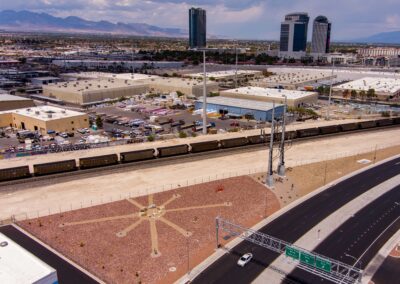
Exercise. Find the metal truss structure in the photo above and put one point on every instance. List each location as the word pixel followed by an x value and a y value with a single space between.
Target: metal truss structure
pixel 338 272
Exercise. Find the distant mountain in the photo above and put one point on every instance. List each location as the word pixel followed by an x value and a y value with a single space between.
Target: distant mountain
pixel 388 38
pixel 30 21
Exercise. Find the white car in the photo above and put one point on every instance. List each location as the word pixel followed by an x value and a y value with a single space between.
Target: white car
pixel 245 259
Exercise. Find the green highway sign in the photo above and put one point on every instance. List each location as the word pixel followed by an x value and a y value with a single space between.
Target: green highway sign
pixel 323 264
pixel 292 252
pixel 307 258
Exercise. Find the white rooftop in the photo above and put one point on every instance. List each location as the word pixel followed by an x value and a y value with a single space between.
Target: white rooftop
pixel 178 82
pixel 7 97
pixel 380 85
pixel 104 75
pixel 45 113
pixel 92 85
pixel 268 92
pixel 241 103
pixel 222 74
pixel 18 266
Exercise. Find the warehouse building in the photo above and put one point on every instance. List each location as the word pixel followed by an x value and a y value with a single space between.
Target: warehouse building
pixel 44 119
pixel 20 266
pixel 294 98
pixel 241 108
pixel 227 75
pixel 8 102
pixel 385 88
pixel 104 75
pixel 88 92
pixel 115 65
pixel 186 86
pixel 293 80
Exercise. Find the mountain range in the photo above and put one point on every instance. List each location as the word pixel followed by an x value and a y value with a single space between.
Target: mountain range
pixel 42 22
pixel 386 38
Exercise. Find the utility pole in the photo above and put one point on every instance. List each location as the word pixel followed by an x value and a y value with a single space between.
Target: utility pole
pixel 204 94
pixel 270 178
pixel 236 66
pixel 281 166
pixel 328 114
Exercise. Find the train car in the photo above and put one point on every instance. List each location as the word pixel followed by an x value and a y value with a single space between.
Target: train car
pixel 135 156
pixel 14 173
pixel 54 167
pixel 308 132
pixel 172 151
pixel 367 124
pixel 98 161
pixel 396 120
pixel 233 142
pixel 329 129
pixel 290 135
pixel 349 126
pixel 204 146
pixel 256 139
pixel 385 122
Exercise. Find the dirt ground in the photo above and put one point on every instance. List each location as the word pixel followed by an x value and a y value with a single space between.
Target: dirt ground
pixel 149 238
pixel 52 195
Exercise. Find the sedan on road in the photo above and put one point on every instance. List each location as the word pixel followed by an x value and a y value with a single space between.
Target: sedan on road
pixel 245 259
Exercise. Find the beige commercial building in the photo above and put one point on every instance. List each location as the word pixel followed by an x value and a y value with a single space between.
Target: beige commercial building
pixel 94 91
pixel 227 75
pixel 44 119
pixel 293 80
pixel 186 86
pixel 385 88
pixel 8 102
pixel 294 98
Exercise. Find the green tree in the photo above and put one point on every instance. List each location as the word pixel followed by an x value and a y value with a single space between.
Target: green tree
pixel 182 134
pixel 353 94
pixel 371 93
pixel 180 94
pixel 99 122
pixel 362 95
pixel 346 93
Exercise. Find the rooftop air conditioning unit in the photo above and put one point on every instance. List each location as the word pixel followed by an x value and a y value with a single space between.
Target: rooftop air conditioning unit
pixel 37 112
pixel 63 111
pixel 49 115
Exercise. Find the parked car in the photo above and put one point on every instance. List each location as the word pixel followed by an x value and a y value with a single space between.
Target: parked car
pixel 245 259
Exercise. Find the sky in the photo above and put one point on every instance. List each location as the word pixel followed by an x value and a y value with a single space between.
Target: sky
pixel 237 19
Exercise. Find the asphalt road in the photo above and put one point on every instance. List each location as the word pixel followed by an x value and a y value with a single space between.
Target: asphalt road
pixel 67 274
pixel 294 224
pixel 361 236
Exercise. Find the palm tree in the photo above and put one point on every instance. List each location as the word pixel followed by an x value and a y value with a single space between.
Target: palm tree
pixel 353 94
pixel 346 93
pixel 362 95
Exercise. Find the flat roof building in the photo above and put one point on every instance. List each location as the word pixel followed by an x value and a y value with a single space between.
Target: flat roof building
pixel 227 75
pixel 8 102
pixel 293 80
pixel 40 81
pixel 20 266
pixel 294 98
pixel 184 85
pixel 385 88
pixel 104 75
pixel 90 91
pixel 44 119
pixel 241 107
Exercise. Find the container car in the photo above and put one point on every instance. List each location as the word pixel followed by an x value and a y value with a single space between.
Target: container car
pixel 54 167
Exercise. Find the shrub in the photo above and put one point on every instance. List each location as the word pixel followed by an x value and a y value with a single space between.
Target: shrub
pixel 150 138
pixel 182 134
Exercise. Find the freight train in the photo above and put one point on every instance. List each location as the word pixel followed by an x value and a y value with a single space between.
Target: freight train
pixel 22 172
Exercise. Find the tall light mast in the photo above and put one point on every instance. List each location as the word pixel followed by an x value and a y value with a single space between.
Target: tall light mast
pixel 270 178
pixel 204 94
pixel 281 166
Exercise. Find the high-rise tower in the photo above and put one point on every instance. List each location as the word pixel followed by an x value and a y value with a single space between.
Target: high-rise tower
pixel 197 28
pixel 321 36
pixel 294 33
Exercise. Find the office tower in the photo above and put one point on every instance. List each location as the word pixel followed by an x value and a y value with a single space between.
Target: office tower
pixel 294 33
pixel 321 36
pixel 197 28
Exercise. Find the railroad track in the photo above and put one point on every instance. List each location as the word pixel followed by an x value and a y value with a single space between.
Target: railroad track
pixel 242 145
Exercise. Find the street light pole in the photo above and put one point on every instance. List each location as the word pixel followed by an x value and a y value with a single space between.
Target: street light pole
pixel 204 94
pixel 281 167
pixel 270 178
pixel 328 115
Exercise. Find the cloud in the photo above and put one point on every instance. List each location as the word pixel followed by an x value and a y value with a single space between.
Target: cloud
pixel 234 18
